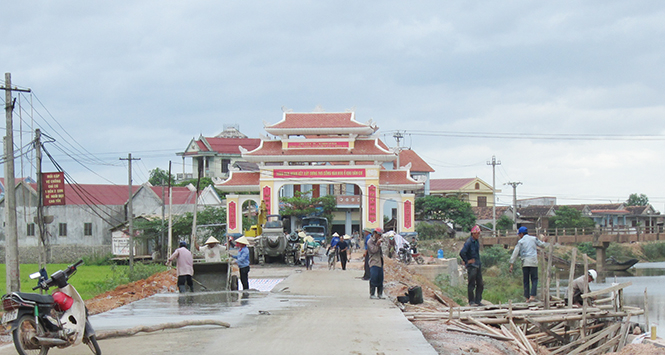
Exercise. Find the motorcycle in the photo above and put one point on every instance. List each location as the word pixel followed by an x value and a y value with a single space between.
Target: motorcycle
pixel 40 322
pixel 406 255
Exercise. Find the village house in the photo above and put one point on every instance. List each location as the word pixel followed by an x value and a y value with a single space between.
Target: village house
pixel 216 155
pixel 472 190
pixel 82 225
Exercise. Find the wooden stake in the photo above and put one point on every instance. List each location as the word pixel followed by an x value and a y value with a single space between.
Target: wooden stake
pixel 584 300
pixel 548 278
pixel 646 310
pixel 571 276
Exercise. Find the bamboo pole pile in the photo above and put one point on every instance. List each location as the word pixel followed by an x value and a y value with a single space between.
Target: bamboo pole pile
pixel 591 329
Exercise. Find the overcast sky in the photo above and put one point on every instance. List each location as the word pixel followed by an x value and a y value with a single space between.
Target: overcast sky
pixel 463 80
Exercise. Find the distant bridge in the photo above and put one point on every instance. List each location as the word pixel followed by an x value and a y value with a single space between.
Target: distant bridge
pixel 594 236
pixel 600 238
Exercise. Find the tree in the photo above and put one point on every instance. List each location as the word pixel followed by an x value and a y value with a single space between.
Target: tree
pixel 151 230
pixel 203 183
pixel 504 223
pixel 447 209
pixel 568 217
pixel 301 205
pixel 637 200
pixel 159 177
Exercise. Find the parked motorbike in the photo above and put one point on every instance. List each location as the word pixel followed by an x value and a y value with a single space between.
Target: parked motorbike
pixel 40 322
pixel 406 255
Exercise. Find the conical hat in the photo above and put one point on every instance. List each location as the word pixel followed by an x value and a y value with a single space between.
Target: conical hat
pixel 212 240
pixel 302 234
pixel 346 236
pixel 335 234
pixel 242 240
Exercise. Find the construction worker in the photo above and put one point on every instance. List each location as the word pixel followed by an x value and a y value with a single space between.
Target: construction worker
pixel 212 250
pixel 243 261
pixel 580 287
pixel 184 267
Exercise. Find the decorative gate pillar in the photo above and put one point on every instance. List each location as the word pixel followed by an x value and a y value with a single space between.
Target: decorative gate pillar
pixel 408 215
pixel 371 208
pixel 233 215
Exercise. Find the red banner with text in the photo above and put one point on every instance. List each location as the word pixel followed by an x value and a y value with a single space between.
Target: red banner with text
pixel 232 215
pixel 318 173
pixel 407 214
pixel 371 204
pixel 53 185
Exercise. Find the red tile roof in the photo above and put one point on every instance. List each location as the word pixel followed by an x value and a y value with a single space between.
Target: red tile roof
pixel 619 212
pixel 395 177
pixel 486 212
pixel 448 184
pixel 242 178
pixel 407 156
pixel 116 195
pixel 361 147
pixel 228 145
pixel 318 120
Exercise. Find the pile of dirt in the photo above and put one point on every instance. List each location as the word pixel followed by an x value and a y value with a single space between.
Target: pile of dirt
pixel 124 294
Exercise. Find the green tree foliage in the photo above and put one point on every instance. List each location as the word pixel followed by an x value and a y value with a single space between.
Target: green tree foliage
pixel 445 209
pixel 151 230
pixel 637 200
pixel 432 230
pixel 205 182
pixel 586 248
pixel 159 177
pixel 302 205
pixel 568 217
pixel 504 223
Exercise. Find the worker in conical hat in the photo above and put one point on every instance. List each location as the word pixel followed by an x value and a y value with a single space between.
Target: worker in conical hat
pixel 212 250
pixel 243 261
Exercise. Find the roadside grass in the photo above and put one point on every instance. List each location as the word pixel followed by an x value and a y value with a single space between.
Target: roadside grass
pixel 89 280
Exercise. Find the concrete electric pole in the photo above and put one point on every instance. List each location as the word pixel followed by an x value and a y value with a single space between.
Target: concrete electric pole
pixel 11 234
pixel 494 163
pixel 514 185
pixel 398 136
pixel 130 213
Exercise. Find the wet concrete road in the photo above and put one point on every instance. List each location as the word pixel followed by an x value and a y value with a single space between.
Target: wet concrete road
pixel 309 312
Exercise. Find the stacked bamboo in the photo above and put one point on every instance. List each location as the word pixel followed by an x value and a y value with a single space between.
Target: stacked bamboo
pixel 557 326
pixel 530 326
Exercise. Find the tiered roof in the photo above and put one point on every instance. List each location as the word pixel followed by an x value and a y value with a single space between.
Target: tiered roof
pixel 320 123
pixel 363 150
pixel 407 156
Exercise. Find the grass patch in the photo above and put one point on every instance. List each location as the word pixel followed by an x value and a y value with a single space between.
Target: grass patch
pixel 89 280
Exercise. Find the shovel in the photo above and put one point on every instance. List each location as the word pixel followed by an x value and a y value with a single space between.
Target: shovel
pixel 200 284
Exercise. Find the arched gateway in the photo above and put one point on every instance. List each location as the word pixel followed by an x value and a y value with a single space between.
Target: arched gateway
pixel 326 152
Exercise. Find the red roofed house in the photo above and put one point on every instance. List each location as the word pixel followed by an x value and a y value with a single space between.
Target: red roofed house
pixel 328 154
pixel 472 190
pixel 82 225
pixel 216 154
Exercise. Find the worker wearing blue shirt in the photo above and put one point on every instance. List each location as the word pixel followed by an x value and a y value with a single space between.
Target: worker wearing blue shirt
pixel 243 261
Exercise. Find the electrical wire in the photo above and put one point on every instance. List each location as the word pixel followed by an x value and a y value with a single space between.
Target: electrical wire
pixel 538 136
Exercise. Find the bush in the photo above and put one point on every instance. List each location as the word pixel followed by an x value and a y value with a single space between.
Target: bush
pixel 619 251
pixel 586 248
pixel 431 230
pixel 654 251
pixel 495 255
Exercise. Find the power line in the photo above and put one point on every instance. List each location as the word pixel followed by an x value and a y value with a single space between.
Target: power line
pixel 540 136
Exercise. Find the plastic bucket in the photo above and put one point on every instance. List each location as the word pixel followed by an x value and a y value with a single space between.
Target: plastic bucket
pixel 440 254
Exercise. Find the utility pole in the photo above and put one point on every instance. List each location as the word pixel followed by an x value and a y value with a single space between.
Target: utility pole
pixel 170 234
pixel 130 213
pixel 11 233
pixel 398 136
pixel 494 163
pixel 40 200
pixel 514 185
